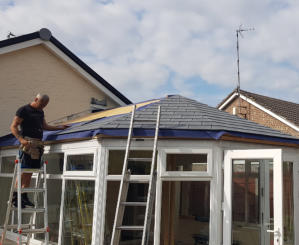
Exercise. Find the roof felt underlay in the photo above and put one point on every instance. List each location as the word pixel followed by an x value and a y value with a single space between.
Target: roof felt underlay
pixel 180 118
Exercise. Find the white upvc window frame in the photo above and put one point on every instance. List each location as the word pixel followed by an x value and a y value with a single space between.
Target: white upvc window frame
pixel 293 156
pixel 181 175
pixel 74 148
pixel 78 152
pixel 276 155
pixel 107 177
pixel 215 192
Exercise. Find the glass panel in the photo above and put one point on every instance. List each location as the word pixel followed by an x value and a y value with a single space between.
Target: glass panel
pixel 8 164
pixel 54 200
pixel 55 163
pixel 5 184
pixel 288 203
pixel 132 215
pixel 252 202
pixel 187 162
pixel 116 161
pixel 78 212
pixel 185 212
pixel 79 162
pixel 245 202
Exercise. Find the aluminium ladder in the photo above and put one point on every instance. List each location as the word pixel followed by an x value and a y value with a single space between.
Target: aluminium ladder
pixel 30 228
pixel 124 186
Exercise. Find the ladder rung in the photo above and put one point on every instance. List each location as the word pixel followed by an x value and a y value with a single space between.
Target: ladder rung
pixel 130 228
pixel 35 231
pixel 27 190
pixel 32 170
pixel 140 159
pixel 30 210
pixel 136 181
pixel 134 203
pixel 145 120
pixel 16 226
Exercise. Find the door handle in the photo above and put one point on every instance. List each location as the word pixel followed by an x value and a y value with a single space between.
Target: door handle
pixel 276 233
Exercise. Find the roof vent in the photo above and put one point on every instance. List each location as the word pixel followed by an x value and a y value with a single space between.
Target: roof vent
pixel 45 34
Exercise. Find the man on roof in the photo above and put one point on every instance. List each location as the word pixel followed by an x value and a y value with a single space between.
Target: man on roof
pixel 31 121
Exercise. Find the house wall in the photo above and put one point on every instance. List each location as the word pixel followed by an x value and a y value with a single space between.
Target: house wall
pixel 255 114
pixel 25 72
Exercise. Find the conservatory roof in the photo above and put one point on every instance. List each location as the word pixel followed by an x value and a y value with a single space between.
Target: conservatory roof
pixel 181 117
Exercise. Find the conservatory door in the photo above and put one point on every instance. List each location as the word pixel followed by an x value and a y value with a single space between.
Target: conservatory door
pixel 253 191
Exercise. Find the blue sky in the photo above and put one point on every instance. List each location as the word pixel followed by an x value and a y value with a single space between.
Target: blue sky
pixel 147 49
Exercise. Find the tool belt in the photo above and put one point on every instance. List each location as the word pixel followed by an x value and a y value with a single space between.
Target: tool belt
pixel 35 148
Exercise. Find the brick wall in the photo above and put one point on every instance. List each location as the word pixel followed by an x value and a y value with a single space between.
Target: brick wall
pixel 253 113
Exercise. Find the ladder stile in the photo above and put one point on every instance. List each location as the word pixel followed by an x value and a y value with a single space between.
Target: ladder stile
pixel 46 203
pixel 150 194
pixel 19 203
pixel 119 208
pixel 33 216
pixel 126 181
pixel 9 205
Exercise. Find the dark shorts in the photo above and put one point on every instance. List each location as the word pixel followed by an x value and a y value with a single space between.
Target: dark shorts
pixel 27 162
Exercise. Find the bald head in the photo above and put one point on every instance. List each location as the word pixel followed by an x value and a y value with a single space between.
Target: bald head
pixel 40 101
pixel 43 97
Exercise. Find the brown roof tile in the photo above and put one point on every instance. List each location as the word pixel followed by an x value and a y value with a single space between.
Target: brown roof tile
pixel 285 109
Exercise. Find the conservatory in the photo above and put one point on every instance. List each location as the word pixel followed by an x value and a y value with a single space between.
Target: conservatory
pixel 220 179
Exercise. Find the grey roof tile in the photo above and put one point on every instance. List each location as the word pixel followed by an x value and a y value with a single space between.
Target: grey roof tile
pixel 178 112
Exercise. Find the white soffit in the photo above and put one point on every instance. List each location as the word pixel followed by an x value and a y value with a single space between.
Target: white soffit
pixel 283 120
pixel 21 45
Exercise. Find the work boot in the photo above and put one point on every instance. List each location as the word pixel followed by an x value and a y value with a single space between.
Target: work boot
pixel 15 201
pixel 25 201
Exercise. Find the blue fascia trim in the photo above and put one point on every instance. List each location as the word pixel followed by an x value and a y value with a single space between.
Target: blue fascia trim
pixel 10 140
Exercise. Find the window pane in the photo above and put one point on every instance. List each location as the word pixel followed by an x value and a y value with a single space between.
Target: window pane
pixel 185 212
pixel 288 204
pixel 132 215
pixel 80 162
pixel 187 162
pixel 5 184
pixel 116 161
pixel 8 164
pixel 54 200
pixel 246 191
pixel 55 163
pixel 78 212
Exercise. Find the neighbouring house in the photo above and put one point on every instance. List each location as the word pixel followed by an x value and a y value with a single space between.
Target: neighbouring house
pixel 274 113
pixel 221 179
pixel 38 62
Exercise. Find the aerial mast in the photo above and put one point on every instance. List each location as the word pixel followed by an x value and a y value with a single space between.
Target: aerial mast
pixel 239 33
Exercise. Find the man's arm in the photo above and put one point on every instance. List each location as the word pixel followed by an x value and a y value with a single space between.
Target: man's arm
pixel 14 128
pixel 53 128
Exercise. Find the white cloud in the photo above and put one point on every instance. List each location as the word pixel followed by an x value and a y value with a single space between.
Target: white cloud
pixel 140 47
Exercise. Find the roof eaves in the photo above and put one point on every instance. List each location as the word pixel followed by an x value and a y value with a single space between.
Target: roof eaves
pixel 19 39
